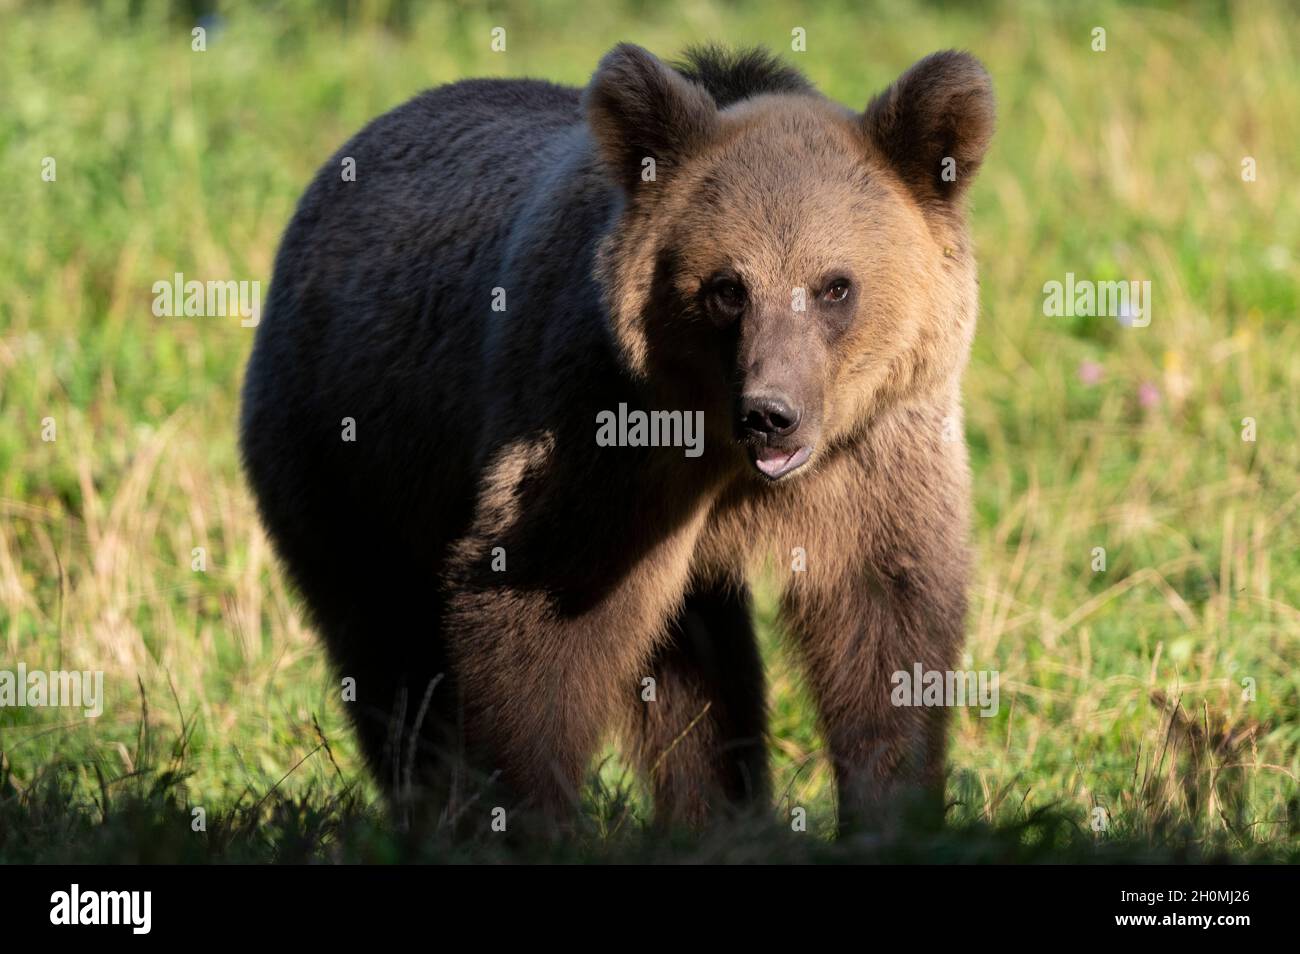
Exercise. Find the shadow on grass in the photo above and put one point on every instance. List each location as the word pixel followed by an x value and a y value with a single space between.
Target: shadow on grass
pixel 145 818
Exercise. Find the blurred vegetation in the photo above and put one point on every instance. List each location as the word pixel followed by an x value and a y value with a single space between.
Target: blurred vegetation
pixel 1121 690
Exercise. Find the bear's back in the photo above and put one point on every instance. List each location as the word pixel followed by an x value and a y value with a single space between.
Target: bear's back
pixel 381 304
pixel 421 199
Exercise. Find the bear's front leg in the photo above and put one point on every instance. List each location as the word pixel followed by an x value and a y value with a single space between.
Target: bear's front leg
pixel 550 633
pixel 854 639
pixel 883 591
pixel 537 691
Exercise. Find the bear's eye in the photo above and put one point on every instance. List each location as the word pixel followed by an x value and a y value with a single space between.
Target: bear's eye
pixel 728 293
pixel 838 290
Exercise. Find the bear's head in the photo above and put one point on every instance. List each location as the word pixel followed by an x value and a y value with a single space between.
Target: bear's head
pixel 790 266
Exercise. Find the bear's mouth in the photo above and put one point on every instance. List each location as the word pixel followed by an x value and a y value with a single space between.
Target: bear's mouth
pixel 776 462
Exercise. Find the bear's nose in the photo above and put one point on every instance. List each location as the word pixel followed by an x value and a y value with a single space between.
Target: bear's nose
pixel 768 415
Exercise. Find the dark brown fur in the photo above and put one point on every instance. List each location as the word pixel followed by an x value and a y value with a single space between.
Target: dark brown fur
pixel 476 429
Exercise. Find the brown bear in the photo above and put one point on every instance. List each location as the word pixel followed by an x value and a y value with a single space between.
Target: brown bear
pixel 553 372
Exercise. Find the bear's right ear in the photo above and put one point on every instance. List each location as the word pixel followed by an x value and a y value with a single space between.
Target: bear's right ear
pixel 639 109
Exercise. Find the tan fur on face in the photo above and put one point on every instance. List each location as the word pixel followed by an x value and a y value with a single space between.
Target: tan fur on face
pixel 787 191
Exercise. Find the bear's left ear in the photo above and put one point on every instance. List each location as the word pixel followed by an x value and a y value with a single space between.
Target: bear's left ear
pixel 934 124
pixel 638 108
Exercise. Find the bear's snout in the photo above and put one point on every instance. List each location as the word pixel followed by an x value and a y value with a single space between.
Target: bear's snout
pixel 768 415
pixel 769 426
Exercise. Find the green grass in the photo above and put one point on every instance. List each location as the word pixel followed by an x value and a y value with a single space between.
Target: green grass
pixel 1121 689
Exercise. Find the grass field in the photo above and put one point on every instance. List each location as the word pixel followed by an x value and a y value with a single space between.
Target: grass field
pixel 1150 710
